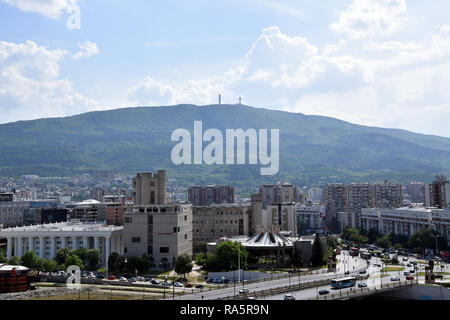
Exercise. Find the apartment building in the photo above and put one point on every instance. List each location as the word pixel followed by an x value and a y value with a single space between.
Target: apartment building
pixel 310 215
pixel 278 193
pixel 281 217
pixel 150 188
pixel 208 195
pixel 437 194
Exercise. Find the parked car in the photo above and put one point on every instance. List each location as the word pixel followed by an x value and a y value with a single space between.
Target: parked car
pixel 111 278
pixel 289 297
pixel 323 292
pixel 406 273
pixel 362 285
pixel 395 278
pixel 122 279
pixel 362 272
pixel 188 285
pixel 409 278
pixel 245 290
pixel 132 280
pixel 438 276
pixel 199 286
pixel 154 281
pixel 412 271
pixel 178 285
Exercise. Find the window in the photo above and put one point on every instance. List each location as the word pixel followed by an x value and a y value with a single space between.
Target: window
pixel 136 239
pixel 128 220
pixel 185 218
pixel 185 237
pixel 174 229
pixel 164 250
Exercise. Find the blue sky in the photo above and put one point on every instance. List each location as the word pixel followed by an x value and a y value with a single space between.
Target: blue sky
pixel 373 62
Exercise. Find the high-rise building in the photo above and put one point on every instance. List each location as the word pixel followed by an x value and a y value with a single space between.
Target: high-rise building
pixel 208 195
pixel 150 188
pixel 387 195
pixel 153 227
pixel 315 195
pixel 437 194
pixel 281 217
pixel 416 190
pixel 278 193
pixel 97 194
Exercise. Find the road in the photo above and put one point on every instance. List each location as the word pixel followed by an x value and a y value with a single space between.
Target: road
pixel 347 263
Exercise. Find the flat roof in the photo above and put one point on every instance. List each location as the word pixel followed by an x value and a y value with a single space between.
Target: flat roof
pixel 65 227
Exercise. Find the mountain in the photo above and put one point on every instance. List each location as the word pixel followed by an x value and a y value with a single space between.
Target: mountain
pixel 313 149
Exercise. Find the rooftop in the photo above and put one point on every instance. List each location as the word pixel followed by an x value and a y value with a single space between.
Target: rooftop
pixel 65 227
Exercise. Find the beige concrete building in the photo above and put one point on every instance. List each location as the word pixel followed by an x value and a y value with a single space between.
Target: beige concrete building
pixel 150 188
pixel 278 193
pixel 281 217
pixel 216 221
pixel 161 231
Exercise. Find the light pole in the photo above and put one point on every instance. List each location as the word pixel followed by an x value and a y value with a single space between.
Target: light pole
pixel 436 238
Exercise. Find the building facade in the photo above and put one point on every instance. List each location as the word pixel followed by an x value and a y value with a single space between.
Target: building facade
pixel 150 188
pixel 46 239
pixel 278 193
pixel 310 216
pixel 213 222
pixel 437 194
pixel 407 220
pixel 209 195
pixel 161 231
pixel 281 217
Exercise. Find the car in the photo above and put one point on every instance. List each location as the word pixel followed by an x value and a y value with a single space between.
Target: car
pixel 199 286
pixel 409 278
pixel 188 285
pixel 408 265
pixel 132 280
pixel 362 285
pixel 362 272
pixel 289 297
pixel 252 298
pixel 245 290
pixel 412 271
pixel 395 279
pixel 323 292
pixel 178 285
pixel 111 278
pixel 154 281
pixel 405 259
pixel 122 279
pixel 406 273
pixel 438 276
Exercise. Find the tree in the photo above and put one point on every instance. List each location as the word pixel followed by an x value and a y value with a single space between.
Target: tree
pixel 183 264
pixel 93 257
pixel 317 252
pixel 73 260
pixel 200 247
pixel 3 256
pixel 14 261
pixel 112 259
pixel 212 263
pixel 30 260
pixel 82 254
pixel 384 242
pixel 297 258
pixel 228 253
pixel 48 265
pixel 143 264
pixel 200 259
pixel 61 255
pixel 301 228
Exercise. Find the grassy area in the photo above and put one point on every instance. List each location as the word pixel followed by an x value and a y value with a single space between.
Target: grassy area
pixel 392 269
pixel 442 273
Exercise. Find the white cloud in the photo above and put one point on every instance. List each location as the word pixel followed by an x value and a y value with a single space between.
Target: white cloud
pixel 88 49
pixel 48 8
pixel 365 18
pixel 31 86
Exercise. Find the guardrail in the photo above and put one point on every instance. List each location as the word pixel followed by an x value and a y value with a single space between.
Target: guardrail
pixel 280 290
pixel 363 291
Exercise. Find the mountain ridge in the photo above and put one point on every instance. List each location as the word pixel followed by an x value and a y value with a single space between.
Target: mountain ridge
pixel 313 149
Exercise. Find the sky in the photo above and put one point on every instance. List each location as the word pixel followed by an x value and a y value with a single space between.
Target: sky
pixel 383 63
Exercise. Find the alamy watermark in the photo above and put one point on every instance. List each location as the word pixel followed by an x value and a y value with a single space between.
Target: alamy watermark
pixel 74 20
pixel 74 280
pixel 236 141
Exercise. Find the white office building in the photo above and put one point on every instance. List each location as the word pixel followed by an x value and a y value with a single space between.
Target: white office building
pixel 45 240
